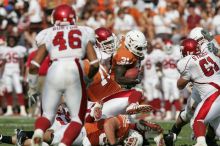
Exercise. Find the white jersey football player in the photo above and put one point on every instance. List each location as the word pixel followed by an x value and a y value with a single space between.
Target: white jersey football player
pixel 202 69
pixel 2 64
pixel 152 58
pixel 206 44
pixel 13 70
pixel 170 76
pixel 67 44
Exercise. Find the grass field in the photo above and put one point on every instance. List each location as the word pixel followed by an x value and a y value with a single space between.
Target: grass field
pixel 7 126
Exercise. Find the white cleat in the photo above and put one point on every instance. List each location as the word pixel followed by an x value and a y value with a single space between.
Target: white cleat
pixel 201 141
pixel 135 108
pixel 8 113
pixel 37 138
pixel 23 114
pixel 200 144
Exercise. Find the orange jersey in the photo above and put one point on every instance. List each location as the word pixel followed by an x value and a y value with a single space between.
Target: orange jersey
pixel 124 57
pixel 96 134
pixel 102 86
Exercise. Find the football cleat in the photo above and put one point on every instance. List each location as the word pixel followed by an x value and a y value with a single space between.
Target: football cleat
pixel 21 137
pixel 147 126
pixel 169 138
pixel 135 108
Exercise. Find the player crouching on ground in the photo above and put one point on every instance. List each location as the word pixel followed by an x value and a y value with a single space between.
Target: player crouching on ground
pixel 118 130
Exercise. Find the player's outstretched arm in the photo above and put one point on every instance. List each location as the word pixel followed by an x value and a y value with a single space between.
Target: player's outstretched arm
pixel 94 62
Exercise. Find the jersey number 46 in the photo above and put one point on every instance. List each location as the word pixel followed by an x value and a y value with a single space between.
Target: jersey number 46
pixel 74 40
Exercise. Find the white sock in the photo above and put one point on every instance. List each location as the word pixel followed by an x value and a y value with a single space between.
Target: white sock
pixel 201 139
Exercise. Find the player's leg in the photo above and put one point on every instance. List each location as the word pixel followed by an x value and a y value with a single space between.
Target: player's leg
pixel 19 92
pixel 58 134
pixel 206 111
pixel 176 97
pixel 8 139
pixel 8 94
pixel 135 104
pixel 114 106
pixel 183 119
pixel 148 93
pixel 50 99
pixel 76 100
pixel 167 106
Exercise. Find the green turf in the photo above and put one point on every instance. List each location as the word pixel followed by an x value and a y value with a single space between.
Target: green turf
pixel 7 126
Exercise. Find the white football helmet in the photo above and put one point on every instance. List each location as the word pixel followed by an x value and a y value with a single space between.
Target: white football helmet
pixel 135 41
pixel 133 139
pixel 200 35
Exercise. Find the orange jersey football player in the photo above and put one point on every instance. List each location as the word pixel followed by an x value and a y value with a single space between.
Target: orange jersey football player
pixel 102 84
pixel 104 88
pixel 129 55
pixel 118 130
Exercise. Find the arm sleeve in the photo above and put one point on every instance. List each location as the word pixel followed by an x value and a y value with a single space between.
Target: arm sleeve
pixel 183 66
pixel 90 35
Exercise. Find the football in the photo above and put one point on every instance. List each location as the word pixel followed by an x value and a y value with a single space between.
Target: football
pixel 132 73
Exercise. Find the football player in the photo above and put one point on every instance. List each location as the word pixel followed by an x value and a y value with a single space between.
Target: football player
pixel 115 99
pixel 13 72
pixel 170 76
pixel 203 42
pixel 202 69
pixel 67 44
pixel 116 130
pixel 129 55
pixel 151 63
pixel 2 64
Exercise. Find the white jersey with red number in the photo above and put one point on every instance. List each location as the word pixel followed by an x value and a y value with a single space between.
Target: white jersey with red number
pixel 202 70
pixel 149 63
pixel 169 64
pixel 12 56
pixel 68 41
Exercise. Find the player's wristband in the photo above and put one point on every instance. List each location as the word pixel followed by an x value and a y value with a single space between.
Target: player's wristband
pixel 32 80
pixel 35 63
pixel 94 62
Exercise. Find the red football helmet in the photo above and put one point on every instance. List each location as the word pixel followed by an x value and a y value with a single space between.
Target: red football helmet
pixel 105 40
pixel 168 46
pixel 63 15
pixel 189 47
